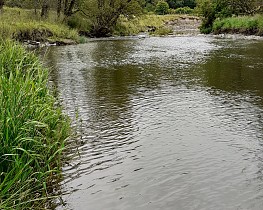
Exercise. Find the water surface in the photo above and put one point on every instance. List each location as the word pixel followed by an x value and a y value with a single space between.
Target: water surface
pixel 165 123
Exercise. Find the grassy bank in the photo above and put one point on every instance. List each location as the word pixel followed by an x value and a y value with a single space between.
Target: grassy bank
pixel 33 131
pixel 23 24
pixel 247 25
pixel 155 24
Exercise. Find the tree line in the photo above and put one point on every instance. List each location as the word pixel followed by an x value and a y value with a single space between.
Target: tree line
pixel 102 14
pixel 68 7
pixel 61 6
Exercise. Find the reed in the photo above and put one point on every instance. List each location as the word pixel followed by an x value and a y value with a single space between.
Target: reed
pixel 33 131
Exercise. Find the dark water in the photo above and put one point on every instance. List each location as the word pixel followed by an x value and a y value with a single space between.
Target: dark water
pixel 165 123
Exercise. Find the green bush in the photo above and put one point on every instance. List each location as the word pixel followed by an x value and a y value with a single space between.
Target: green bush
pixel 13 3
pixel 206 8
pixel 240 24
pixel 181 10
pixel 78 22
pixel 162 8
pixel 149 7
pixel 212 10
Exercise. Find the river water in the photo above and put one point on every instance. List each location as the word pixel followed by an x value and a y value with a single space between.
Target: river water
pixel 164 123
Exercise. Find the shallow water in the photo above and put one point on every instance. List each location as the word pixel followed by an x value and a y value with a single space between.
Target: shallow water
pixel 165 123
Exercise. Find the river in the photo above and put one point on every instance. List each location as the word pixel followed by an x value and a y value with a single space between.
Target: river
pixel 163 123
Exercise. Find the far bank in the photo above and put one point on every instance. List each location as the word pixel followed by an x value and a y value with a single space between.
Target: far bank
pixel 246 25
pixel 27 26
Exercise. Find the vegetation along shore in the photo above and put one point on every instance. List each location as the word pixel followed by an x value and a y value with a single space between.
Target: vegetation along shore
pixel 235 16
pixel 70 21
pixel 33 131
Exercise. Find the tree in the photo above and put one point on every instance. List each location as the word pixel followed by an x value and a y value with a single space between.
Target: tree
pixel 104 14
pixel 14 3
pixel 69 6
pixel 242 6
pixel 190 3
pixel 35 6
pixel 134 8
pixel 45 8
pixel 2 2
pixel 59 7
pixel 175 3
pixel 162 8
pixel 181 3
pixel 212 9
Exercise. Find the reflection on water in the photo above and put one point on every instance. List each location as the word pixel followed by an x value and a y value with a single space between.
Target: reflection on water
pixel 171 123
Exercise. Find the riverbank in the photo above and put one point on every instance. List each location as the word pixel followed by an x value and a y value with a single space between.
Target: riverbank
pixel 33 131
pixel 25 26
pixel 156 25
pixel 246 25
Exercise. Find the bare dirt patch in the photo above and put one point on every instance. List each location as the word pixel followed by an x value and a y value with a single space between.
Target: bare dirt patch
pixel 185 25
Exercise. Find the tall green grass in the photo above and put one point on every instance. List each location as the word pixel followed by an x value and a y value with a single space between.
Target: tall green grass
pixel 33 131
pixel 240 24
pixel 21 23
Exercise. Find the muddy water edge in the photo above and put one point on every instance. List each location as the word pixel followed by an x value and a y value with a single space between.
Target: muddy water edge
pixel 164 123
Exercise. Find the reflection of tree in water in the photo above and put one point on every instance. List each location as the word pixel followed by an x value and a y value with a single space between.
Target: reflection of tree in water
pixel 238 71
pixel 116 79
pixel 236 68
pixel 235 75
pixel 110 96
pixel 112 51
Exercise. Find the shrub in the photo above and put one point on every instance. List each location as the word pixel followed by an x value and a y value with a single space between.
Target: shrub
pixel 211 10
pixel 181 10
pixel 162 8
pixel 240 24
pixel 149 7
pixel 78 22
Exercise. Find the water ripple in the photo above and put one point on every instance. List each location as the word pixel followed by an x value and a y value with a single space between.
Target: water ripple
pixel 163 123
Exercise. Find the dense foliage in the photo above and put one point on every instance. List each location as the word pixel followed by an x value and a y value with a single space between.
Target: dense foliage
pixel 213 9
pixel 181 3
pixel 99 17
pixel 162 8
